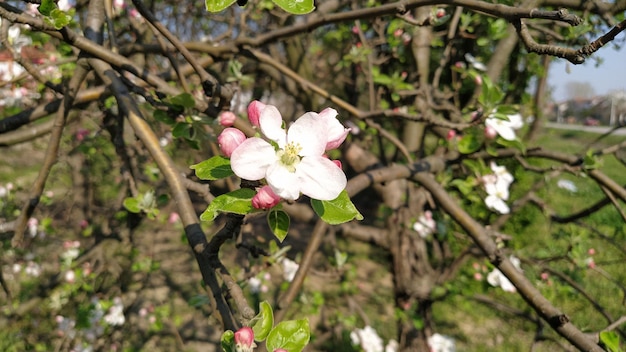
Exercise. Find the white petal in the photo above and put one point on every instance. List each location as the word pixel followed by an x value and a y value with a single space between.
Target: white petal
pixel 516 121
pixel 252 158
pixel 271 123
pixel 496 203
pixel 503 128
pixel 336 132
pixel 310 133
pixel 320 178
pixel 283 182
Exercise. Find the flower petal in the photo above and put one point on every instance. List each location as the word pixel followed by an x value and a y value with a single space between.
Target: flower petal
pixel 503 128
pixel 320 178
pixel 335 131
pixel 310 133
pixel 283 182
pixel 271 123
pixel 252 158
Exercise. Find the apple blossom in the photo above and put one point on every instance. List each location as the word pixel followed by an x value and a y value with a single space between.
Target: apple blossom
pixel 297 163
pixel 265 198
pixel 497 187
pixel 289 269
pixel 425 225
pixel 244 340
pixel 229 140
pixel 368 339
pixel 505 128
pixel 226 118
pixel 254 112
pixel 496 278
pixel 441 343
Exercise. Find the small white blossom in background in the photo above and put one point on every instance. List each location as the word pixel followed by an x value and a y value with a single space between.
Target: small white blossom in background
pixel 497 279
pixel 255 284
pixel 425 224
pixel 116 313
pixel 33 225
pixel 441 343
pixel 71 251
pixel 497 188
pixel 289 269
pixel 567 185
pixel 65 326
pixel 368 339
pixel 505 128
pixel 70 276
pixel 32 269
pixel 392 346
pixel 3 191
pixel 475 63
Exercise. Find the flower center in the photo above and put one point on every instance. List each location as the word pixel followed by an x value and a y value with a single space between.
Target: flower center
pixel 289 156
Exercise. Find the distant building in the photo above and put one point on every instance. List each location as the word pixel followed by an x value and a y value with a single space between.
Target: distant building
pixel 606 110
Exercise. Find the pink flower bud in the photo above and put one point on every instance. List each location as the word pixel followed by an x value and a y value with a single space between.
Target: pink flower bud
pixel 478 276
pixel 451 134
pixel 244 340
pixel 226 118
pixel 355 30
pixel 591 251
pixel 440 13
pixel 254 112
pixel 478 80
pixel 173 218
pixel 398 32
pixel 265 198
pixel 545 276
pixel 229 140
pixel 490 132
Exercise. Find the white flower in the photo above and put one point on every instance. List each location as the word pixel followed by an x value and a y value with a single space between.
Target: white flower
pixel 289 269
pixel 33 269
pixel 392 346
pixel 441 343
pixel 255 284
pixel 368 339
pixel 505 128
pixel 567 185
pixel 497 188
pixel 475 63
pixel 116 313
pixel 497 279
pixel 298 164
pixel 425 225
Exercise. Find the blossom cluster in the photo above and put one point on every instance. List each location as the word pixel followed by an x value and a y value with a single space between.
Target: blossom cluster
pixel 503 128
pixel 497 188
pixel 425 224
pixel 292 161
pixel 368 339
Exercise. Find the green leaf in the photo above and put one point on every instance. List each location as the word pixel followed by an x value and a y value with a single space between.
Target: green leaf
pixel 610 340
pixel 262 323
pixel 218 5
pixel 291 335
pixel 471 141
pixel 132 205
pixel 278 221
pixel 46 7
pixel 336 211
pixel 516 143
pixel 163 116
pixel 296 7
pixel 60 19
pixel 181 129
pixel 215 168
pixel 184 100
pixel 237 202
pixel 228 341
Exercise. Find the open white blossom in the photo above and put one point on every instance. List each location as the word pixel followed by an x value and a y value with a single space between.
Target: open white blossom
pixel 441 343
pixel 115 315
pixel 368 339
pixel 289 269
pixel 497 188
pixel 296 162
pixel 505 128
pixel 497 279
pixel 425 224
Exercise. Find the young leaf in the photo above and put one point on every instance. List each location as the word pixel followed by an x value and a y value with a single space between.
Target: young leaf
pixel 228 341
pixel 218 5
pixel 278 221
pixel 336 211
pixel 262 323
pixel 296 7
pixel 237 202
pixel 214 168
pixel 184 100
pixel 46 7
pixel 610 340
pixel 291 335
pixel 132 205
pixel 472 141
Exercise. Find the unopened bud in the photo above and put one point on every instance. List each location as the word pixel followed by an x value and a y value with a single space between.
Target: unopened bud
pixel 265 198
pixel 226 118
pixel 254 112
pixel 244 340
pixel 229 140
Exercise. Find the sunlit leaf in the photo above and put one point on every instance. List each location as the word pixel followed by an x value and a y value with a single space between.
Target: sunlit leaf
pixel 336 211
pixel 236 202
pixel 278 221
pixel 218 5
pixel 297 7
pixel 291 335
pixel 215 168
pixel 262 323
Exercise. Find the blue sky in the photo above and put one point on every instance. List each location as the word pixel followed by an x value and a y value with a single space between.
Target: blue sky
pixel 610 75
